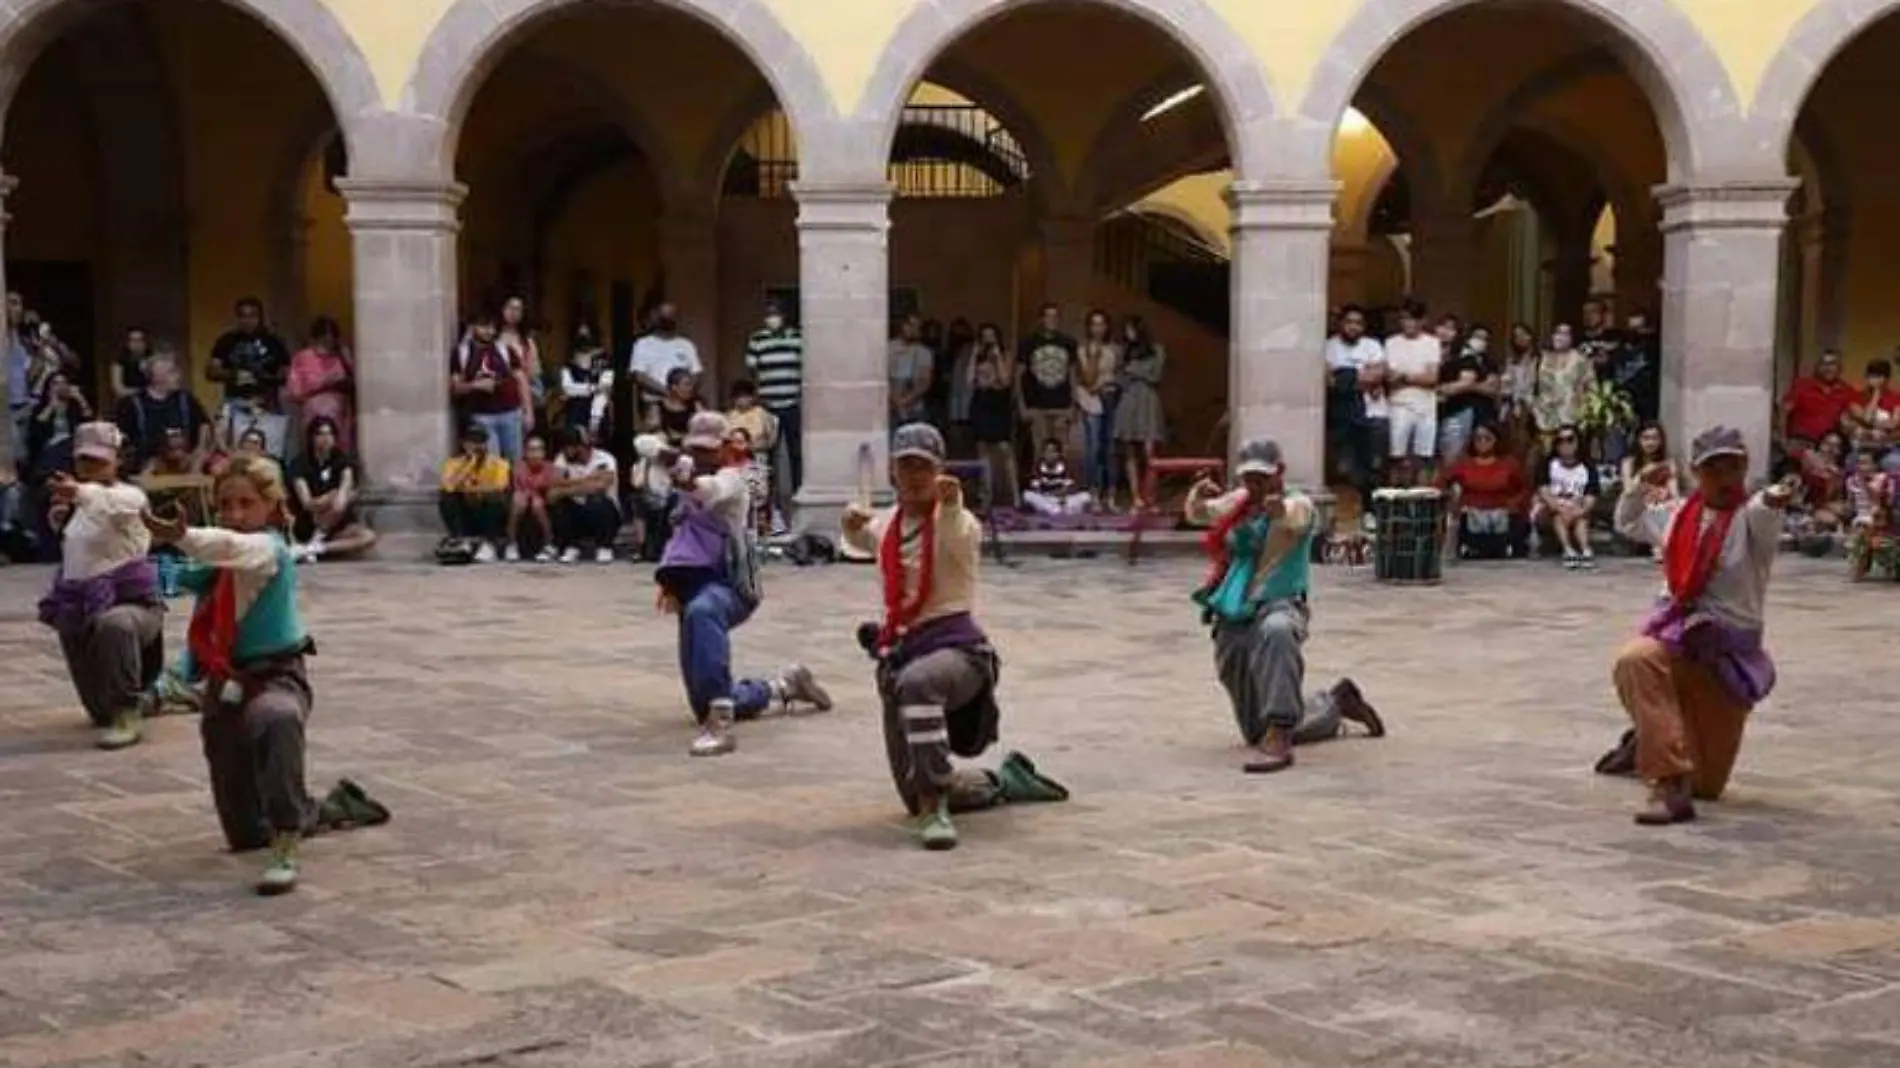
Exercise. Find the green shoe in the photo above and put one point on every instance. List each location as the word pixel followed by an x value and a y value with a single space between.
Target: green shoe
pixel 125 732
pixel 935 830
pixel 280 875
pixel 347 806
pixel 1021 783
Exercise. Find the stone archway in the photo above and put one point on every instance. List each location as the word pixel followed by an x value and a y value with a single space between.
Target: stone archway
pixel 1233 72
pixel 1688 87
pixel 307 27
pixel 474 35
pixel 1796 68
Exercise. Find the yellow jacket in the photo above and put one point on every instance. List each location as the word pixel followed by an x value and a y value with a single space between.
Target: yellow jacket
pixel 463 474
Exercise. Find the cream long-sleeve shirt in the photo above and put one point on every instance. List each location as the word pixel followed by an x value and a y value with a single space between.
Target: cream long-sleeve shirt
pixel 959 551
pixel 105 531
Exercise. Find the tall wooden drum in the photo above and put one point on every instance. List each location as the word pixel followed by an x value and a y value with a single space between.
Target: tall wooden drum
pixel 1409 527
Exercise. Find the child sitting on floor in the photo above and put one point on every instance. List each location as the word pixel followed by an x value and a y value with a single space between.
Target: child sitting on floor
pixel 1053 492
pixel 248 641
pixel 1870 495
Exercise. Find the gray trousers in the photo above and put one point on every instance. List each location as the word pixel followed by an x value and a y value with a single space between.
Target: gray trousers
pixel 107 658
pixel 917 737
pixel 255 751
pixel 1263 670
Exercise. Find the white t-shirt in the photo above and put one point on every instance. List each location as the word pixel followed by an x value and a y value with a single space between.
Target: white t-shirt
pixel 599 460
pixel 1414 356
pixel 1356 357
pixel 105 531
pixel 1568 483
pixel 656 357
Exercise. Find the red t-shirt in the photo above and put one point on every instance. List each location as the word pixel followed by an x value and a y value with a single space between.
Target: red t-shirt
pixel 534 478
pixel 1815 407
pixel 1497 484
pixel 1889 400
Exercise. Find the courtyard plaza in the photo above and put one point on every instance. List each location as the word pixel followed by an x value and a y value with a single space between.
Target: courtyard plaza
pixel 563 886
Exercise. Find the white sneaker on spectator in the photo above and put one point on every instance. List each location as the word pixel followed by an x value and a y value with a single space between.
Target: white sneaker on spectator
pixel 316 546
pixel 547 555
pixel 485 553
pixel 511 554
pixel 572 555
pixel 604 555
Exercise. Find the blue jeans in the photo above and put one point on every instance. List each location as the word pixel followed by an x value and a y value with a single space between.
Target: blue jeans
pixel 1094 471
pixel 707 621
pixel 504 434
pixel 791 437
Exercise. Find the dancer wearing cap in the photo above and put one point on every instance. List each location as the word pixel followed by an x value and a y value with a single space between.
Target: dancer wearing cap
pixel 709 577
pixel 1690 678
pixel 105 602
pixel 1260 538
pixel 937 671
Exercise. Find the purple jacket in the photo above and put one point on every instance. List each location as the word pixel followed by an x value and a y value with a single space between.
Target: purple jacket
pixel 1737 656
pixel 70 605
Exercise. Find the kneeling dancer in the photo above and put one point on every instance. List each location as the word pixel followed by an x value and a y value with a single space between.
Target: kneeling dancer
pixel 1689 680
pixel 105 601
pixel 247 638
pixel 709 576
pixel 937 671
pixel 1260 539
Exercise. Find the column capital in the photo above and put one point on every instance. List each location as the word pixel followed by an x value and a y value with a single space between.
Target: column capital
pixel 397 204
pixel 1757 204
pixel 1282 205
pixel 843 206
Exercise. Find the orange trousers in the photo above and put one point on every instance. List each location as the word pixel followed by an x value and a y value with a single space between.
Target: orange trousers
pixel 1686 722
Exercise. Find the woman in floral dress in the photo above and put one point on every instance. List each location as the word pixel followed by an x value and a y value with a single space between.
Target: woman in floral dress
pixel 1565 378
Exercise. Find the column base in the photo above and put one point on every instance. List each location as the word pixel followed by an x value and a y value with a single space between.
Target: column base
pixel 406 524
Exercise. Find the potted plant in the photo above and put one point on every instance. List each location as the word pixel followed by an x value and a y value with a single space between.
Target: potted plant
pixel 1606 415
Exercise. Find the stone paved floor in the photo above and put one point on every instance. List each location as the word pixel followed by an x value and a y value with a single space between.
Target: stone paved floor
pixel 562 886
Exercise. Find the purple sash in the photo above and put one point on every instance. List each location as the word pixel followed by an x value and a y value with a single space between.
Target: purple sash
pixel 70 604
pixel 1736 655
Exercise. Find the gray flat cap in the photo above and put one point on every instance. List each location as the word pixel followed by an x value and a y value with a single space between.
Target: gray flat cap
pixel 920 440
pixel 1260 456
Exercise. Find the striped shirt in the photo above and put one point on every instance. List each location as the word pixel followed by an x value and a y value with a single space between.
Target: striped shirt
pixel 776 359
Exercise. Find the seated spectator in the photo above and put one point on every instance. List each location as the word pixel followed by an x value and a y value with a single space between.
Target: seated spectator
pixel 584 501
pixel 1873 417
pixel 1053 492
pixel 473 502
pixel 160 406
pixel 741 453
pixel 1568 497
pixel 760 427
pixel 653 495
pixel 1822 505
pixel 534 478
pixel 678 406
pixel 173 457
pixel 323 496
pixel 1870 493
pixel 1492 498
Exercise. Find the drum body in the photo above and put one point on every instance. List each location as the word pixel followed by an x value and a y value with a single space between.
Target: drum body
pixel 1410 536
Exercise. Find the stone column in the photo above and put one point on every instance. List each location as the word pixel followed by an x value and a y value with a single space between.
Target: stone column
pixel 689 253
pixel 7 184
pixel 1275 374
pixel 1068 269
pixel 1821 238
pixel 844 289
pixel 402 236
pixel 1721 263
pixel 1444 257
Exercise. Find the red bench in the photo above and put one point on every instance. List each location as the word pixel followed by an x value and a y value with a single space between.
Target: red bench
pixel 1192 467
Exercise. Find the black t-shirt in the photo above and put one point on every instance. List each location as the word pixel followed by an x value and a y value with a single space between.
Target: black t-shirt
pixel 1048 372
pixel 260 356
pixel 1639 373
pixel 992 414
pixel 673 421
pixel 132 371
pixel 1604 348
pixel 1458 404
pixel 321 476
pixel 144 419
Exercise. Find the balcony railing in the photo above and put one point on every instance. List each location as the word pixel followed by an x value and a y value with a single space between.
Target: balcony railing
pixel 941 150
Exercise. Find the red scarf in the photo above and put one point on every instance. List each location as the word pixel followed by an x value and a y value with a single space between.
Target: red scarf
pixel 898 616
pixel 1215 542
pixel 212 636
pixel 1692 554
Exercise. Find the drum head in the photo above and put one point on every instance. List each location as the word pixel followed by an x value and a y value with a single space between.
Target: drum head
pixel 897 750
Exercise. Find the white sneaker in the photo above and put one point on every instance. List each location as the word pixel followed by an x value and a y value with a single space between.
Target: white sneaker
pixel 603 555
pixel 317 545
pixel 571 556
pixel 485 554
pixel 547 555
pixel 511 554
pixel 715 735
